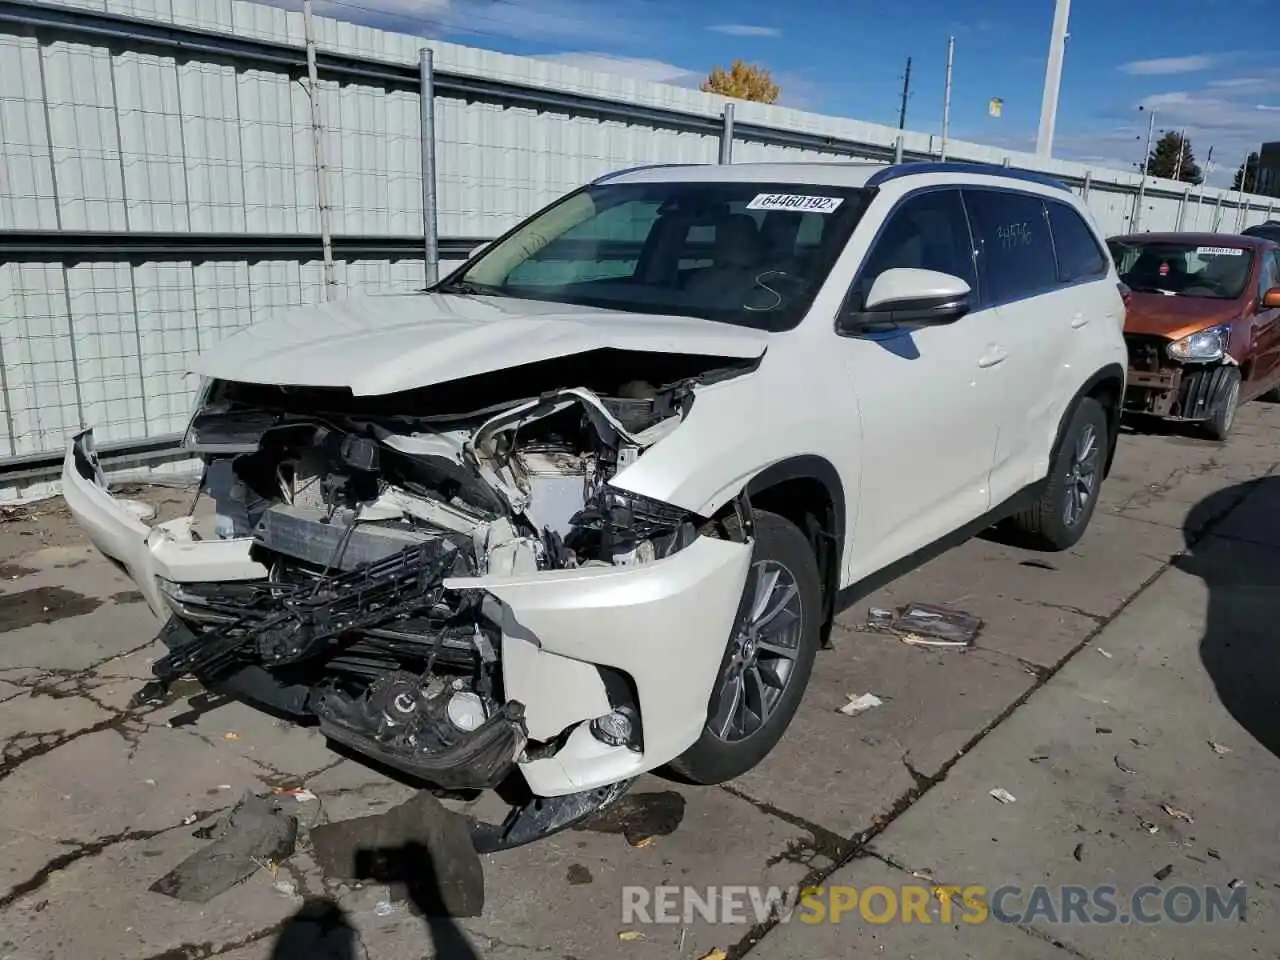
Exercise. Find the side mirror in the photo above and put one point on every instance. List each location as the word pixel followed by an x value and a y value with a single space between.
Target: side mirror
pixel 904 295
pixel 1271 299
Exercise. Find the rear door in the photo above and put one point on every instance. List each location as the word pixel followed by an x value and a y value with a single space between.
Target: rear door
pixel 1037 314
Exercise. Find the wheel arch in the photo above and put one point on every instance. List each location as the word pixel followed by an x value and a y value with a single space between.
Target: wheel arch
pixel 1107 387
pixel 807 490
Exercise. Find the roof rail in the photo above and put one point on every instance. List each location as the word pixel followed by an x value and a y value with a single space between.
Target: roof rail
pixel 645 166
pixel 897 170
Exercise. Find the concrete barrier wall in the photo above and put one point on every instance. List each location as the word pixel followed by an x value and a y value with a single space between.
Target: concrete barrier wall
pixel 110 128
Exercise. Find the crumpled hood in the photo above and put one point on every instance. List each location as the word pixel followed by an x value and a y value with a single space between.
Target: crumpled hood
pixel 1177 317
pixel 384 344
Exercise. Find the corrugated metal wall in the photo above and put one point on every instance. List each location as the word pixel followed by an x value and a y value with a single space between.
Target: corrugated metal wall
pixel 118 135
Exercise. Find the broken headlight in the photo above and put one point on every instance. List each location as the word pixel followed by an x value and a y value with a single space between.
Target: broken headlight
pixel 626 528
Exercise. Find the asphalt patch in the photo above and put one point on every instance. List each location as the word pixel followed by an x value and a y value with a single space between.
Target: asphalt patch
pixel 42 605
pixel 639 815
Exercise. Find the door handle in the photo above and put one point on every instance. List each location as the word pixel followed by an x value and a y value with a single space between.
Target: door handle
pixel 1078 321
pixel 995 354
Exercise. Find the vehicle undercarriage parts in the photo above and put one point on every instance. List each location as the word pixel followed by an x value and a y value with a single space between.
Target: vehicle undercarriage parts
pixel 441 732
pixel 1165 387
pixel 543 816
pixel 279 623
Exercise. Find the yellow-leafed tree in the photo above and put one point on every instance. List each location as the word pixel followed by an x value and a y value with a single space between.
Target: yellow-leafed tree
pixel 742 81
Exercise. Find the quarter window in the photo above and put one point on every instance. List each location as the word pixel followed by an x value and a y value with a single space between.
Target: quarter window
pixel 927 232
pixel 1079 256
pixel 1015 248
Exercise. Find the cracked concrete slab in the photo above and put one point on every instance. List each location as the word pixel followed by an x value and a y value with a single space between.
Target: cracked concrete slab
pixel 100 814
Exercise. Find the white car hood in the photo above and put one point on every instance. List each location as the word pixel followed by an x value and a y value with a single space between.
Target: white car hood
pixel 384 344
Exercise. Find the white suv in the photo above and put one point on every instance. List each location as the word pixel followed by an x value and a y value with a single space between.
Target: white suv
pixel 588 507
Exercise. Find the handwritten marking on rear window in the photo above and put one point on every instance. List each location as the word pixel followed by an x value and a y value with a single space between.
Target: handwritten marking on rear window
pixel 1219 252
pixel 1014 235
pixel 795 201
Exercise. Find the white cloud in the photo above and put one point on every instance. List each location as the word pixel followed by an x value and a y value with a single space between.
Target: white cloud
pixel 653 71
pixel 745 30
pixel 1167 66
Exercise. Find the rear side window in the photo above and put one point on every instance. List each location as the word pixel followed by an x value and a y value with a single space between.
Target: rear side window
pixel 1079 256
pixel 1015 248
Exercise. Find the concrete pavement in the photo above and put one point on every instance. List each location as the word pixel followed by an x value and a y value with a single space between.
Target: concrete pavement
pixel 97 802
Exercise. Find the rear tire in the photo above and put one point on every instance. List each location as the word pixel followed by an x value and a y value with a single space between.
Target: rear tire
pixel 1219 425
pixel 1060 518
pixel 774 641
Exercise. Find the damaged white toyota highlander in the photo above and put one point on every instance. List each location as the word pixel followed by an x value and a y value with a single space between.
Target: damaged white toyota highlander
pixel 587 507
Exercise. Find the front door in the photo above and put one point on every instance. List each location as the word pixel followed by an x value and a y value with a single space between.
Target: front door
pixel 928 397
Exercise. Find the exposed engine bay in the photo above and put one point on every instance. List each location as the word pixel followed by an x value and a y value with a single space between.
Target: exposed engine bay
pixel 360 509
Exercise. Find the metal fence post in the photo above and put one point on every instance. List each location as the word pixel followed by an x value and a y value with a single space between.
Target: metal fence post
pixel 1088 182
pixel 317 142
pixel 1136 220
pixel 1217 213
pixel 726 135
pixel 897 149
pixel 1182 208
pixel 427 134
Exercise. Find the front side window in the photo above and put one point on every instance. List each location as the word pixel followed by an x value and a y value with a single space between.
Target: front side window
pixel 926 232
pixel 1015 247
pixel 1270 274
pixel 753 254
pixel 1179 268
pixel 1079 255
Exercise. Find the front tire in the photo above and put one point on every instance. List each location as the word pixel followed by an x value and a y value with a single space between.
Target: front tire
pixel 767 661
pixel 1060 518
pixel 1219 425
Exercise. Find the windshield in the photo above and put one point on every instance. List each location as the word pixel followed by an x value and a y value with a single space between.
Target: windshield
pixel 1183 269
pixel 752 254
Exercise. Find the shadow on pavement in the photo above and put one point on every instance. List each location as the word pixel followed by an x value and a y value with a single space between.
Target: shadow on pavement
pixel 1240 566
pixel 318 931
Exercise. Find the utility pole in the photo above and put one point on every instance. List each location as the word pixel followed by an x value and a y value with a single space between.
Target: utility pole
pixel 906 92
pixel 1141 198
pixel 1053 78
pixel 946 99
pixel 317 141
pixel 1151 130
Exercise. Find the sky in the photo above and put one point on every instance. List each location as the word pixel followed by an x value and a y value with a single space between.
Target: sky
pixel 1207 67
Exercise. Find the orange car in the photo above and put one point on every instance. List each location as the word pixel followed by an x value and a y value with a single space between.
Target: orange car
pixel 1202 324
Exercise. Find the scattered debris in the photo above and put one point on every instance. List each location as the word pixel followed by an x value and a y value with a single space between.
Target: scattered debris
pixel 149 782
pixel 926 625
pixel 859 703
pixel 1147 825
pixel 301 794
pixel 1104 653
pixel 1214 854
pixel 1102 730
pixel 383 908
pixel 419 844
pixel 641 843
pixel 252 834
pixel 1163 872
pixel 627 936
pixel 1176 813
pixel 1003 795
pixel 285 887
pixel 1121 766
pixel 1078 852
pixel 714 954
pixel 924 873
pixel 1137 743
pixel 231 736
pixel 189 820
pixel 1220 749
pixel 1038 564
pixel 1039 758
pixel 1235 883
pixel 639 816
pixel 578 875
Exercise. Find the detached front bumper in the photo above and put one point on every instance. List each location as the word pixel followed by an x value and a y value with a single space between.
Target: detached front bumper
pixel 167 550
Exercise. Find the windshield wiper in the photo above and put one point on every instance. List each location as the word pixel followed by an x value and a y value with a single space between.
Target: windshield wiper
pixel 1147 288
pixel 470 288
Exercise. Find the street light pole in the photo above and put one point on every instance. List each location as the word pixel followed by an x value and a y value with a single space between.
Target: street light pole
pixel 946 97
pixel 1053 78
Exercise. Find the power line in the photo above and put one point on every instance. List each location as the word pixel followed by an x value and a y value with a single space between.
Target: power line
pixel 906 95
